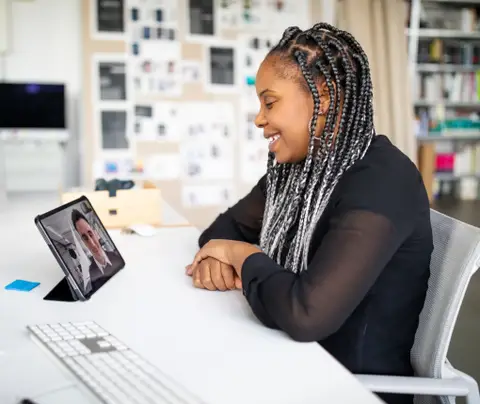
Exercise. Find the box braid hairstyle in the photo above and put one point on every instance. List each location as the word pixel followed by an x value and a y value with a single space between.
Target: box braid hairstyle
pixel 298 193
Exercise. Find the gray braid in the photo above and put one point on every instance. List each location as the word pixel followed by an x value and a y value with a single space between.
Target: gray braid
pixel 297 194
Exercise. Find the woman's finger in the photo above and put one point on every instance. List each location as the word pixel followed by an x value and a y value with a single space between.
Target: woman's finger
pixel 196 279
pixel 205 275
pixel 216 272
pixel 189 270
pixel 228 275
pixel 238 282
pixel 199 257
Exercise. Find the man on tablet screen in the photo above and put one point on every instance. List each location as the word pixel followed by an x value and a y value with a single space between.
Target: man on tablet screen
pixel 104 263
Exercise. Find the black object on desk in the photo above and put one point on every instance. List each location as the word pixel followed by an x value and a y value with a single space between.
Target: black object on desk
pixel 112 186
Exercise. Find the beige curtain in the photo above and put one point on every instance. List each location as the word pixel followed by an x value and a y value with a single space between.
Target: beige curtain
pixel 379 26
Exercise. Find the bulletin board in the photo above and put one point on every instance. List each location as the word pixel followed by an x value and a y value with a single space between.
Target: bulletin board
pixel 169 94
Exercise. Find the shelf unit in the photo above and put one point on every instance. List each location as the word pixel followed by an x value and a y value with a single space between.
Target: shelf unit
pixel 465 42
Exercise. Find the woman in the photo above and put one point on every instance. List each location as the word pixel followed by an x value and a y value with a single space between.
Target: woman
pixel 341 218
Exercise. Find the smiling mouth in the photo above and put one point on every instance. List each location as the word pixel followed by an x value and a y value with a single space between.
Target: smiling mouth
pixel 272 142
pixel 273 139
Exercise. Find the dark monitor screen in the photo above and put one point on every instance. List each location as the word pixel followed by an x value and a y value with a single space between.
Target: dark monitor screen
pixel 32 106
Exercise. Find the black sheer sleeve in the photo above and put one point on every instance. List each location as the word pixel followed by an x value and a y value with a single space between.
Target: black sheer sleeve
pixel 365 231
pixel 242 222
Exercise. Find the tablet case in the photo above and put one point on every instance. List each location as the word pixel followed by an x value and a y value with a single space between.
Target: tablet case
pixel 61 292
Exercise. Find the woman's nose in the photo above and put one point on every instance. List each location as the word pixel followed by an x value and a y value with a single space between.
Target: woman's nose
pixel 260 120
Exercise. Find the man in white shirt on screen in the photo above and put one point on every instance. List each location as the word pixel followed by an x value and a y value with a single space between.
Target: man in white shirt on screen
pixel 104 263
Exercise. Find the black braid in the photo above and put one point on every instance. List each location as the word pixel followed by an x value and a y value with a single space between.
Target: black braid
pixel 298 193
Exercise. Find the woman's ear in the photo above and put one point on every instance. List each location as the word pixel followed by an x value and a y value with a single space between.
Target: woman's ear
pixel 325 97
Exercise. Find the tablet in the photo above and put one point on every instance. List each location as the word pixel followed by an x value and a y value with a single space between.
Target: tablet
pixel 81 245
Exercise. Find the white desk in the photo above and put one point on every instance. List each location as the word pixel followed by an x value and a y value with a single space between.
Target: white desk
pixel 209 341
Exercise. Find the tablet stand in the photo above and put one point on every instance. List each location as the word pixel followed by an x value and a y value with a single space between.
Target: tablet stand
pixel 61 292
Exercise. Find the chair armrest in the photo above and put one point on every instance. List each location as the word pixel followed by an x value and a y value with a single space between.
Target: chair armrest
pixel 415 385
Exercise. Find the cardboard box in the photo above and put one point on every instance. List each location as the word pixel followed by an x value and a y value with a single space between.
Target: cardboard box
pixel 128 207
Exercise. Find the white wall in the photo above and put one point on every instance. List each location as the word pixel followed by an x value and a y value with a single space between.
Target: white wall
pixel 45 45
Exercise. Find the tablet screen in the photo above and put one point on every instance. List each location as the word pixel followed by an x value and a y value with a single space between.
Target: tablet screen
pixel 83 244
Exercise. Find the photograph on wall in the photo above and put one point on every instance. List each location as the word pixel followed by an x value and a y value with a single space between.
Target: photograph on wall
pixel 205 195
pixel 151 21
pixel 108 19
pixel 280 14
pixel 158 70
pixel 207 160
pixel 221 68
pixel 201 19
pixel 191 71
pixel 159 121
pixel 121 167
pixel 253 149
pixel 229 14
pixel 113 125
pixel 144 122
pixel 208 140
pixel 112 81
pixel 252 14
pixel 163 167
pixel 168 121
pixel 252 51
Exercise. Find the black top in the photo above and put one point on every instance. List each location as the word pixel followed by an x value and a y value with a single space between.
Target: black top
pixel 368 271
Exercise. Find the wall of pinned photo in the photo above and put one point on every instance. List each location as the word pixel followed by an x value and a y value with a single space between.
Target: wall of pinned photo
pixel 107 19
pixel 185 117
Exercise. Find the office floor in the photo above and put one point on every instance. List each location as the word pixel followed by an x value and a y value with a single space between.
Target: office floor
pixel 464 349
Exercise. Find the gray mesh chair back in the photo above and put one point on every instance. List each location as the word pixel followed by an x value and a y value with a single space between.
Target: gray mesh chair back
pixel 455 259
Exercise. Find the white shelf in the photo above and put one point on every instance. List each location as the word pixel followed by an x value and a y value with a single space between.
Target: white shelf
pixel 444 33
pixel 446 68
pixel 448 104
pixel 455 177
pixel 455 2
pixel 445 136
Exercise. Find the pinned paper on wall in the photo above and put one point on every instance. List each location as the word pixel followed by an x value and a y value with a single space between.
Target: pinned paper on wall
pixel 168 121
pixel 113 129
pixel 155 50
pixel 253 14
pixel 221 68
pixel 164 167
pixel 151 21
pixel 107 19
pixel 201 196
pixel 204 120
pixel 113 83
pixel 254 48
pixel 201 22
pixel 229 14
pixel 159 121
pixel 254 151
pixel 117 167
pixel 144 122
pixel 207 160
pixel 280 14
pixel 158 70
pixel 208 140
pixel 191 71
pixel 110 84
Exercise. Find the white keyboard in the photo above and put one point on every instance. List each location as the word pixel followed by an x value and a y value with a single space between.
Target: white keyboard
pixel 107 367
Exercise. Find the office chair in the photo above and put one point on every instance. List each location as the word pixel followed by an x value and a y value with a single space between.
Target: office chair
pixel 455 258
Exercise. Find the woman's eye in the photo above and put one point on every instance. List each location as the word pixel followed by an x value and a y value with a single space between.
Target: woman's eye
pixel 269 105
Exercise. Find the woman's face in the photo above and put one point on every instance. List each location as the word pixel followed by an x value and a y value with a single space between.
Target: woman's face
pixel 285 113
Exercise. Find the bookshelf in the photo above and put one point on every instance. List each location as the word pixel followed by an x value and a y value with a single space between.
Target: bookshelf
pixel 444 57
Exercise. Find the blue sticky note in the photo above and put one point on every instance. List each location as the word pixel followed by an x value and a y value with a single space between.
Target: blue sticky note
pixel 21 285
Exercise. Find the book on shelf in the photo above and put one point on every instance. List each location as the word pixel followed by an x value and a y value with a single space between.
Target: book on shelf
pixel 459 166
